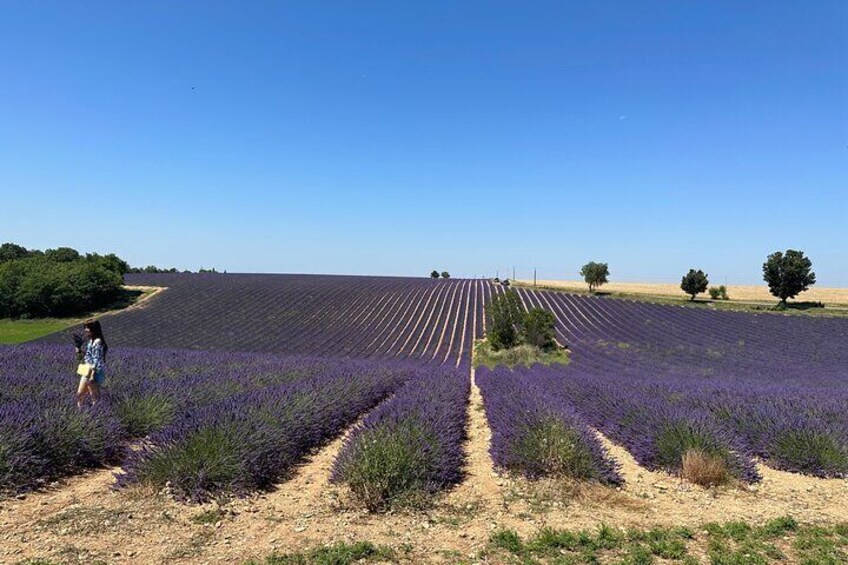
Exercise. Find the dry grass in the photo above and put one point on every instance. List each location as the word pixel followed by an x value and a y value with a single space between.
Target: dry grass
pixel 704 469
pixel 738 293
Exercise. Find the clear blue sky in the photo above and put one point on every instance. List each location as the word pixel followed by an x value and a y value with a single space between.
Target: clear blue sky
pixel 396 137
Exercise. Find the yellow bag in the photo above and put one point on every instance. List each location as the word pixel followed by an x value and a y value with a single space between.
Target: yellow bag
pixel 83 369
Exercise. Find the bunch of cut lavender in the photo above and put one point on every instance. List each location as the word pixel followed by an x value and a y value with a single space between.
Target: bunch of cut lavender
pixel 78 342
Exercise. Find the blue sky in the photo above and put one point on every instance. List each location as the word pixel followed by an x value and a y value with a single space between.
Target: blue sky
pixel 397 137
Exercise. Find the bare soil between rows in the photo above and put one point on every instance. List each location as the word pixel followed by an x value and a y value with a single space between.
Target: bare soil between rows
pixel 83 520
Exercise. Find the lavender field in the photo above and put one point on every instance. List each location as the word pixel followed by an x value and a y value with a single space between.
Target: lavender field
pixel 209 423
pixel 425 320
pixel 661 380
pixel 223 383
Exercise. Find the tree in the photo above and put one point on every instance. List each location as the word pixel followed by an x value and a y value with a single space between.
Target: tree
pixel 62 255
pixel 694 282
pixel 595 274
pixel 539 328
pixel 110 261
pixel 434 274
pixel 36 287
pixel 505 320
pixel 445 275
pixel 12 251
pixel 788 274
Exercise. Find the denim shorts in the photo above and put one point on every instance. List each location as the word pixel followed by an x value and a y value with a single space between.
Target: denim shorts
pixel 99 377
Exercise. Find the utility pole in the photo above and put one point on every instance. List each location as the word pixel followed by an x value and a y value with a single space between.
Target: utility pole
pixel 513 273
pixel 534 276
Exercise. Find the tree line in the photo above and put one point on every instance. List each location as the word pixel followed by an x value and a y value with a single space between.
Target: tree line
pixel 61 282
pixel 787 275
pixel 56 282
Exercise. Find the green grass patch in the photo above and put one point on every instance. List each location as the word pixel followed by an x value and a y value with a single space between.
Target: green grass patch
pixel 525 355
pixel 338 554
pixel 212 516
pixel 781 540
pixel 20 331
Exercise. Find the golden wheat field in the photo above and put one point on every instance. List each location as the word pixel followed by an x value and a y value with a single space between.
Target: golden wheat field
pixel 739 293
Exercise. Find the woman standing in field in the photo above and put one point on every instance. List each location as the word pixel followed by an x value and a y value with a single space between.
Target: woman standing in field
pixel 95 358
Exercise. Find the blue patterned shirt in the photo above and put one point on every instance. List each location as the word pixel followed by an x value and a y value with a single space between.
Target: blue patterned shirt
pixel 94 355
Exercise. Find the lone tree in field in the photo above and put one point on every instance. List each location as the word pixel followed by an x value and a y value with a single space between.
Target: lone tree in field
pixel 506 320
pixel 694 282
pixel 595 274
pixel 434 274
pixel 788 274
pixel 445 275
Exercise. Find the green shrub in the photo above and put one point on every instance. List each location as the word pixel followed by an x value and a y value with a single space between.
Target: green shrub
pixel 715 293
pixel 539 328
pixel 505 320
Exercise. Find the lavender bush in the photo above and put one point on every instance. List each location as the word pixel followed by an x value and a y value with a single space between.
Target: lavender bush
pixel 656 430
pixel 536 434
pixel 250 441
pixel 411 445
pixel 47 438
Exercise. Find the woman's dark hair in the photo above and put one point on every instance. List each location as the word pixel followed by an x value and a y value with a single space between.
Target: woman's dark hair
pixel 93 326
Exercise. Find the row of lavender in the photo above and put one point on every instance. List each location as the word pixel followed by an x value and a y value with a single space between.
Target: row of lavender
pixel 537 434
pixel 541 418
pixel 694 342
pixel 425 320
pixel 789 426
pixel 663 380
pixel 211 422
pixel 411 446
